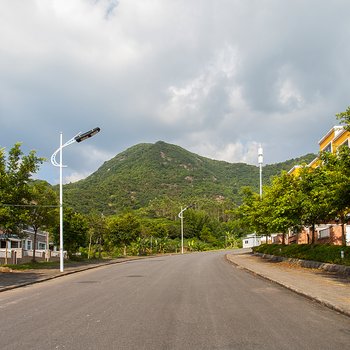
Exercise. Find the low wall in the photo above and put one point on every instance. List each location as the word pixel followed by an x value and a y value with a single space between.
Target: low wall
pixel 17 256
pixel 342 269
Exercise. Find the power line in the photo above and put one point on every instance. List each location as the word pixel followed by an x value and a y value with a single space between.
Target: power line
pixel 29 205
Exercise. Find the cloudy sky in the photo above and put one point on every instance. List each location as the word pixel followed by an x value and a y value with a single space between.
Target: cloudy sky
pixel 217 77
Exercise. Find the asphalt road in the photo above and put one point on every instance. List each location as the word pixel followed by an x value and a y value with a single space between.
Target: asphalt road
pixel 197 301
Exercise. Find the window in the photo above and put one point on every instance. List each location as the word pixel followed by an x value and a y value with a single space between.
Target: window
pixel 41 246
pixel 328 148
pixel 29 245
pixel 14 244
pixel 324 233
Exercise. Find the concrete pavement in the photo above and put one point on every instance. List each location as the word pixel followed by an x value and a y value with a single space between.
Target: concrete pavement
pixel 328 288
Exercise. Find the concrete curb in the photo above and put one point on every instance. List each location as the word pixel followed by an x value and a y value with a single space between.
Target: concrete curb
pixel 291 288
pixel 341 269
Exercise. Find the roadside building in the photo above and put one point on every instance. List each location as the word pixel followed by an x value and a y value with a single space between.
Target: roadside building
pixel 15 249
pixel 335 137
pixel 327 233
pixel 251 240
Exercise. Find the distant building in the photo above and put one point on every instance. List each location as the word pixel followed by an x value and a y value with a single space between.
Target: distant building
pixel 251 240
pixel 335 137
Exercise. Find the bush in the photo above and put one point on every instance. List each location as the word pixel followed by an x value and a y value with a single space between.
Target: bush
pixel 317 252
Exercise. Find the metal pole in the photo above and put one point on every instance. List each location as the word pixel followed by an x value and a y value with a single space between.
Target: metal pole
pixel 260 180
pixel 260 161
pixel 77 138
pixel 182 231
pixel 61 205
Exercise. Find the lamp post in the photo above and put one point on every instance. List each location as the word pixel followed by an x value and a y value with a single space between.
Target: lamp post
pixel 77 138
pixel 181 216
pixel 260 161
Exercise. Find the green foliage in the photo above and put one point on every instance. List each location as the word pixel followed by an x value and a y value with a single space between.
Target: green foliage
pixel 315 196
pixel 97 234
pixel 16 171
pixel 43 210
pixel 322 252
pixel 34 265
pixel 344 117
pixel 75 230
pixel 254 214
pixel 161 177
pixel 123 229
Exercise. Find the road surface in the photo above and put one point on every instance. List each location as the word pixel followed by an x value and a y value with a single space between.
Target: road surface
pixel 194 301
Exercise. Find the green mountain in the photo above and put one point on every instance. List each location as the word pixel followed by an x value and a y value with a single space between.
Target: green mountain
pixel 148 171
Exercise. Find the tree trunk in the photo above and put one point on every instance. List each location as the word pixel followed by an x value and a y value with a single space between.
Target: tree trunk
pixel 99 249
pixel 343 236
pixel 34 244
pixel 89 245
pixel 283 239
pixel 6 250
pixel 313 234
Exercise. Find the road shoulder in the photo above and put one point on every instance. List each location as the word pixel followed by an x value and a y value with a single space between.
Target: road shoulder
pixel 329 289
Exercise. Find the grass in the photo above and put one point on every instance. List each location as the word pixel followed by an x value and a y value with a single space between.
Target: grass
pixel 49 265
pixel 34 265
pixel 317 252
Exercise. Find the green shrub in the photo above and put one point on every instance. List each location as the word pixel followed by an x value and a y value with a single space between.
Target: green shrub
pixel 317 252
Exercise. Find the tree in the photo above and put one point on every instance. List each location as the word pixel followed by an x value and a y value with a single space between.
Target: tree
pixel 316 197
pixel 16 171
pixel 282 197
pixel 123 229
pixel 255 213
pixel 337 169
pixel 75 229
pixel 43 209
pixel 97 232
pixel 344 117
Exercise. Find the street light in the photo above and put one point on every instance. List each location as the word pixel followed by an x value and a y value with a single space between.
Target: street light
pixel 181 216
pixel 260 161
pixel 77 138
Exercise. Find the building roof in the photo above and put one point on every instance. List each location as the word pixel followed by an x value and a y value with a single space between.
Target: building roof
pixel 336 129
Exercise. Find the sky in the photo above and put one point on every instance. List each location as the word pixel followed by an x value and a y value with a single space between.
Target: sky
pixel 216 77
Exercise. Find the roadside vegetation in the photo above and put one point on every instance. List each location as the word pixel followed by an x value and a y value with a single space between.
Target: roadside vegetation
pixel 142 216
pixel 331 254
pixel 311 197
pixel 153 229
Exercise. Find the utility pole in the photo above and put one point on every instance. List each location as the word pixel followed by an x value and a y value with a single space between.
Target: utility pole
pixel 260 161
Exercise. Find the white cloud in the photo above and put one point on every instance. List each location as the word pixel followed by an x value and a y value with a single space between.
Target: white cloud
pixel 289 95
pixel 231 152
pixel 74 177
pixel 194 101
pixel 214 77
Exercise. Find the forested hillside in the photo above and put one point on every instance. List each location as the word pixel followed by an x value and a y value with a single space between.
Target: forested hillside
pixel 145 172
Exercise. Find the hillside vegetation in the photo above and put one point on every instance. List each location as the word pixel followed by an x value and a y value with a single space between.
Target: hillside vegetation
pixel 144 172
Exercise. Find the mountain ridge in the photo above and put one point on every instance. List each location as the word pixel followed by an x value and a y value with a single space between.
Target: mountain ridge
pixel 145 171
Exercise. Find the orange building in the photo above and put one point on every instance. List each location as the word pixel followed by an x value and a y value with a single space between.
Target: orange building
pixel 329 233
pixel 330 142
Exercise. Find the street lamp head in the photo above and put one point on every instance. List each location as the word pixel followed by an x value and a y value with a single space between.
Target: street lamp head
pixel 87 135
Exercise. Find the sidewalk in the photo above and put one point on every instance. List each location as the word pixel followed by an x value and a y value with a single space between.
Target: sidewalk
pixel 328 288
pixel 18 278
